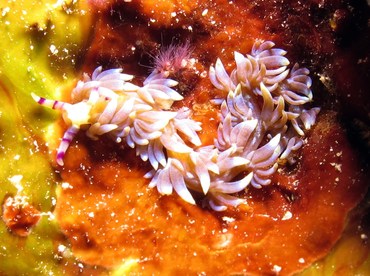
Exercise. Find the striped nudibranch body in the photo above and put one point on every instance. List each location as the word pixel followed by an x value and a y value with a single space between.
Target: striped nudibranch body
pixel 263 121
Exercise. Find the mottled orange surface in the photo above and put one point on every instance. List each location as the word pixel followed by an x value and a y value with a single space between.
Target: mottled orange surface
pixel 111 217
pixel 19 215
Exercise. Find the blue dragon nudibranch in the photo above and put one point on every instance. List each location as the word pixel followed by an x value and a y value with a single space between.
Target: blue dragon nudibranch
pixel 262 121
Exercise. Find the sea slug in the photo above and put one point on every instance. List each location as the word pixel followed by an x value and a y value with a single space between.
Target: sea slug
pixel 262 122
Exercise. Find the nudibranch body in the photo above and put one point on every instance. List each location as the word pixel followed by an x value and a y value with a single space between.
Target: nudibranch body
pixel 262 121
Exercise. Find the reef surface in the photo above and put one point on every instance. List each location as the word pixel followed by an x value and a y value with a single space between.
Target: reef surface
pixel 287 225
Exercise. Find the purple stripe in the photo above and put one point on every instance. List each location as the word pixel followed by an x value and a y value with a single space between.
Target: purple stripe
pixel 72 131
pixel 41 101
pixel 60 155
pixel 65 139
pixel 69 134
pixel 55 103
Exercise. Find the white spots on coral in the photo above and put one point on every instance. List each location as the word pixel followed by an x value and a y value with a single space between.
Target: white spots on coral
pixel 66 185
pixel 53 201
pixel 61 248
pixel 16 180
pixel 228 219
pixel 276 269
pixel 5 11
pixel 287 216
pixel 337 166
pixel 53 49
pixel 18 201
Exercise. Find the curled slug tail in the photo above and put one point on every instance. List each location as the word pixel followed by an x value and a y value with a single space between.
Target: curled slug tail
pixel 48 103
pixel 36 98
pixel 64 145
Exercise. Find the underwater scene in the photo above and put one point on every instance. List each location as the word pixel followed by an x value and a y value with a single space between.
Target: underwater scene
pixel 184 137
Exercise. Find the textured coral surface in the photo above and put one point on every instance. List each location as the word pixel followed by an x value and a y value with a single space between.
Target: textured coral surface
pixel 110 216
pixel 96 215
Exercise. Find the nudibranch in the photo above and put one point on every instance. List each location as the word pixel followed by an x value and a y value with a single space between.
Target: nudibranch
pixel 262 122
